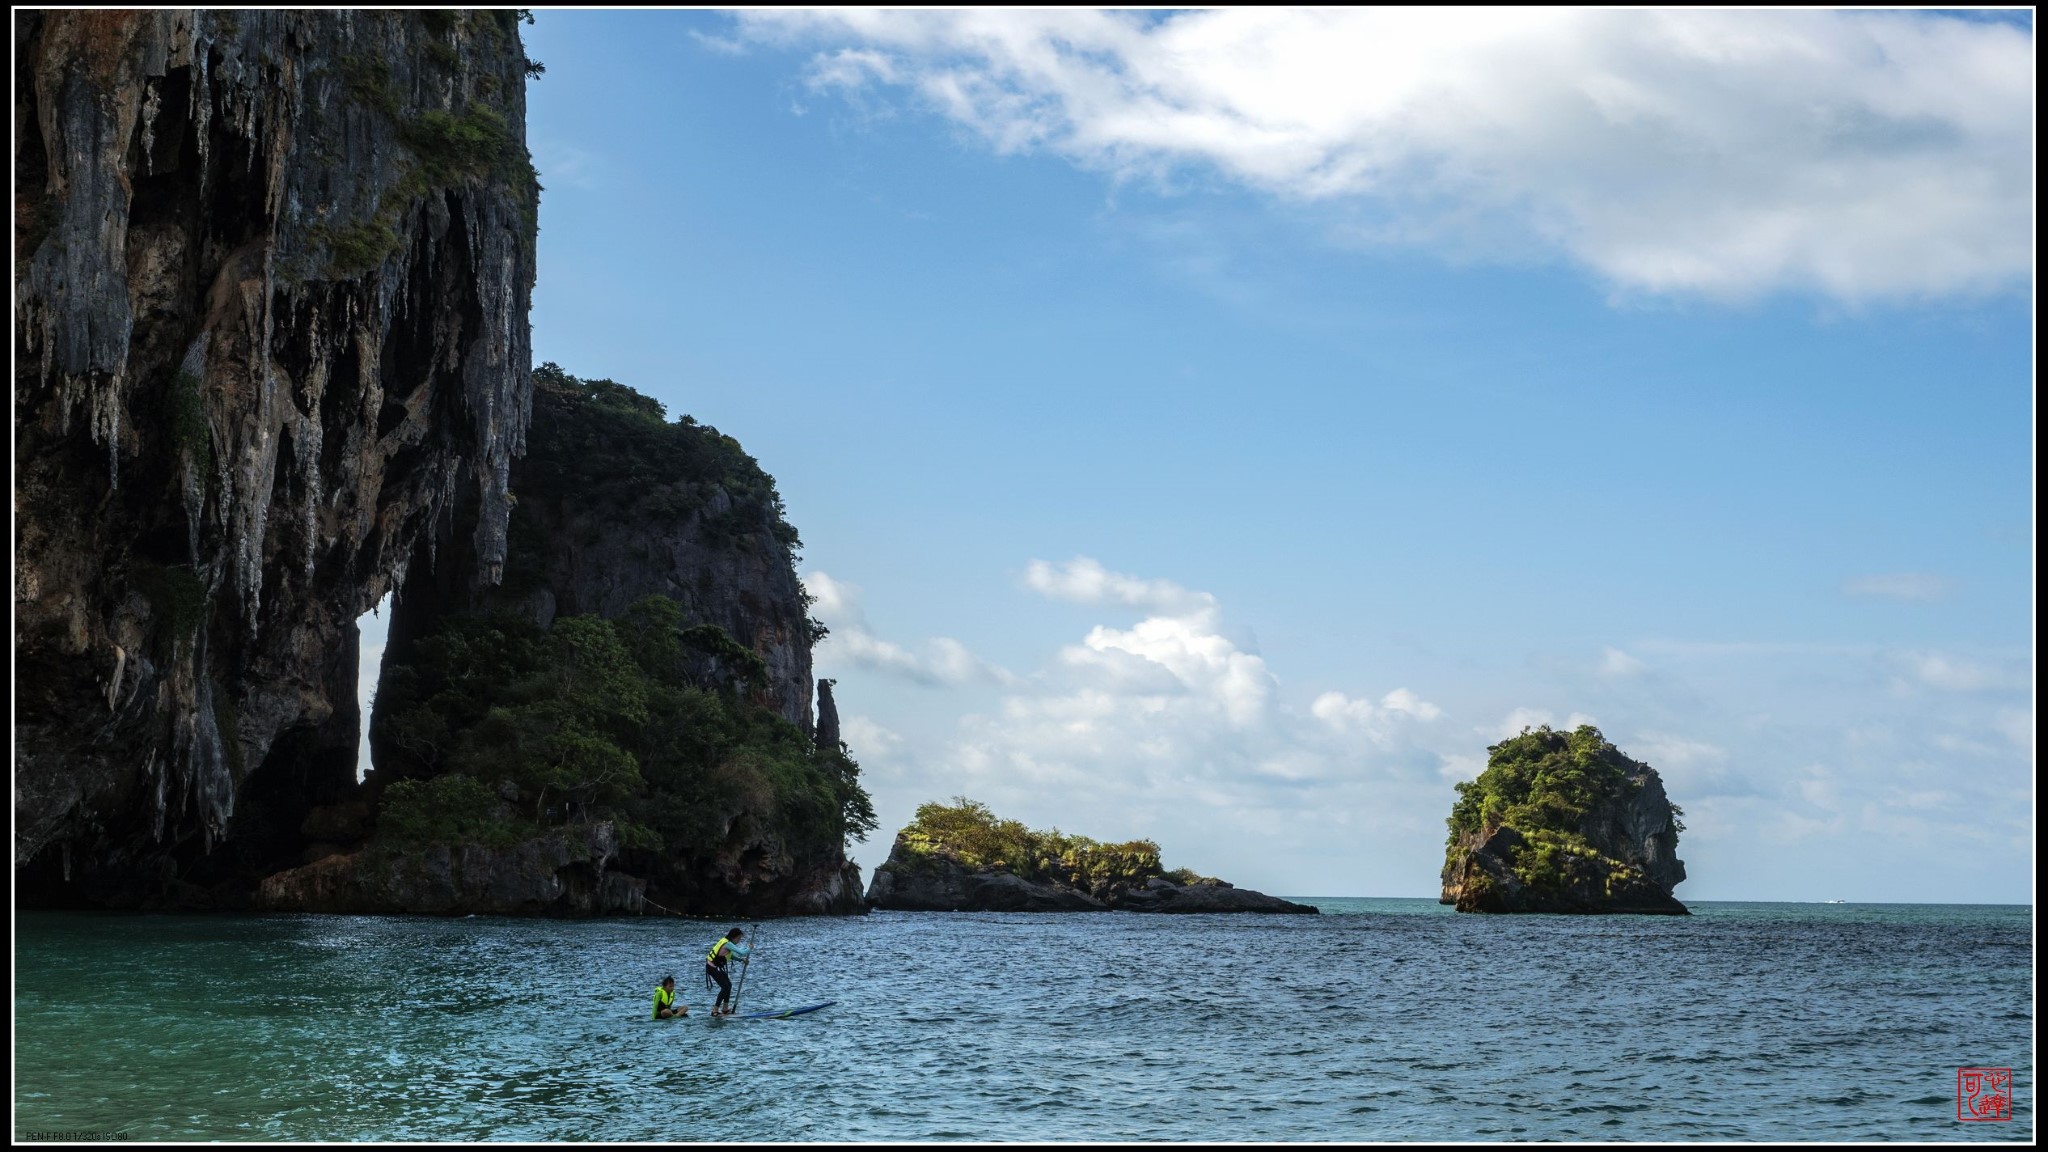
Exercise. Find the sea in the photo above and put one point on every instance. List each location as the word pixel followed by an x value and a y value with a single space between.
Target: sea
pixel 1382 1019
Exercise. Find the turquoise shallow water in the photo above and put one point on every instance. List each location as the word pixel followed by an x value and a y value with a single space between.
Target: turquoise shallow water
pixel 1382 1019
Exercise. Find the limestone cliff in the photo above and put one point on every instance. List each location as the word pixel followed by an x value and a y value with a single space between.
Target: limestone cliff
pixel 1563 822
pixel 649 662
pixel 563 873
pixel 614 504
pixel 272 274
pixel 828 716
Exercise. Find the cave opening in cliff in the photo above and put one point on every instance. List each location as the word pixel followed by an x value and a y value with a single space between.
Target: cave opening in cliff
pixel 372 630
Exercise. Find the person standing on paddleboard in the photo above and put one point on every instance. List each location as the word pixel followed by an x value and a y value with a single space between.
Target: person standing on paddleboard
pixel 727 948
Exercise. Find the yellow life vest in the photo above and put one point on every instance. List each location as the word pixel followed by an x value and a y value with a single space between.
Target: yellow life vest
pixel 711 957
pixel 663 998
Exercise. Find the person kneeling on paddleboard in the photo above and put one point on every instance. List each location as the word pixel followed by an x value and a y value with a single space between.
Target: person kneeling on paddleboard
pixel 665 1006
pixel 728 947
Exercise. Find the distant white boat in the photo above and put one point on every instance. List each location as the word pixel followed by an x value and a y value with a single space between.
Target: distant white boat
pixel 1834 901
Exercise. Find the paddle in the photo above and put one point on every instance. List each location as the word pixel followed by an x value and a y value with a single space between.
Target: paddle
pixel 741 986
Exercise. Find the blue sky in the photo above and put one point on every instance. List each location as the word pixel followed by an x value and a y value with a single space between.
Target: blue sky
pixel 1220 427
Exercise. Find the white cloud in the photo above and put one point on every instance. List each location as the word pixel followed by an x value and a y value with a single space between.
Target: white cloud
pixel 1666 751
pixel 1521 718
pixel 1085 581
pixel 1402 700
pixel 1461 767
pixel 1171 712
pixel 1982 674
pixel 2017 726
pixel 862 732
pixel 1860 154
pixel 1615 662
pixel 876 747
pixel 944 660
pixel 720 45
pixel 1949 673
pixel 1923 799
pixel 1898 586
pixel 1690 768
pixel 1345 714
pixel 1817 787
pixel 1187 651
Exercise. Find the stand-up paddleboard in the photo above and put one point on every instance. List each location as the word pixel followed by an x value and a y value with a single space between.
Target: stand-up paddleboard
pixel 785 1014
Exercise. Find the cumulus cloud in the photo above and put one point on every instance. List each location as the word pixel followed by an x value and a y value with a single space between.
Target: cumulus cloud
pixel 1860 154
pixel 1692 769
pixel 875 740
pixel 1172 711
pixel 1982 674
pixel 1345 714
pixel 1457 767
pixel 1898 586
pixel 942 660
pixel 1955 675
pixel 1520 718
pixel 1615 662
pixel 1085 581
pixel 721 45
pixel 879 748
pixel 1944 672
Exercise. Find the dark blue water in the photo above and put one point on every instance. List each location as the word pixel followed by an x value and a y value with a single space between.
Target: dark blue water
pixel 1388 1019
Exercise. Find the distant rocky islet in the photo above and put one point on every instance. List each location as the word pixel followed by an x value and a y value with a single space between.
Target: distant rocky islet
pixel 962 858
pixel 1563 822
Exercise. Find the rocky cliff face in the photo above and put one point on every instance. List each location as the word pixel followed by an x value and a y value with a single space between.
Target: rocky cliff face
pixel 565 873
pixel 828 716
pixel 272 275
pixel 1564 822
pixel 926 881
pixel 615 504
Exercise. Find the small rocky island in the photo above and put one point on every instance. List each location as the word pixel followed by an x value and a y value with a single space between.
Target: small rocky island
pixel 962 858
pixel 1563 822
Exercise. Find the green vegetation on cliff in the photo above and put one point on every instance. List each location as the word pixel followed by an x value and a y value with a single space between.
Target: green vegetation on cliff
pixel 508 729
pixel 1542 783
pixel 617 449
pixel 977 839
pixel 445 810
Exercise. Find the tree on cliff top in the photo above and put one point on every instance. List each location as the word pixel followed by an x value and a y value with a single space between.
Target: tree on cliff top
pixel 609 445
pixel 1544 779
pixel 977 839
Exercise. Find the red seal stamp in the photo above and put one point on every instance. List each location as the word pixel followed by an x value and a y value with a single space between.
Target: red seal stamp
pixel 1983 1094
